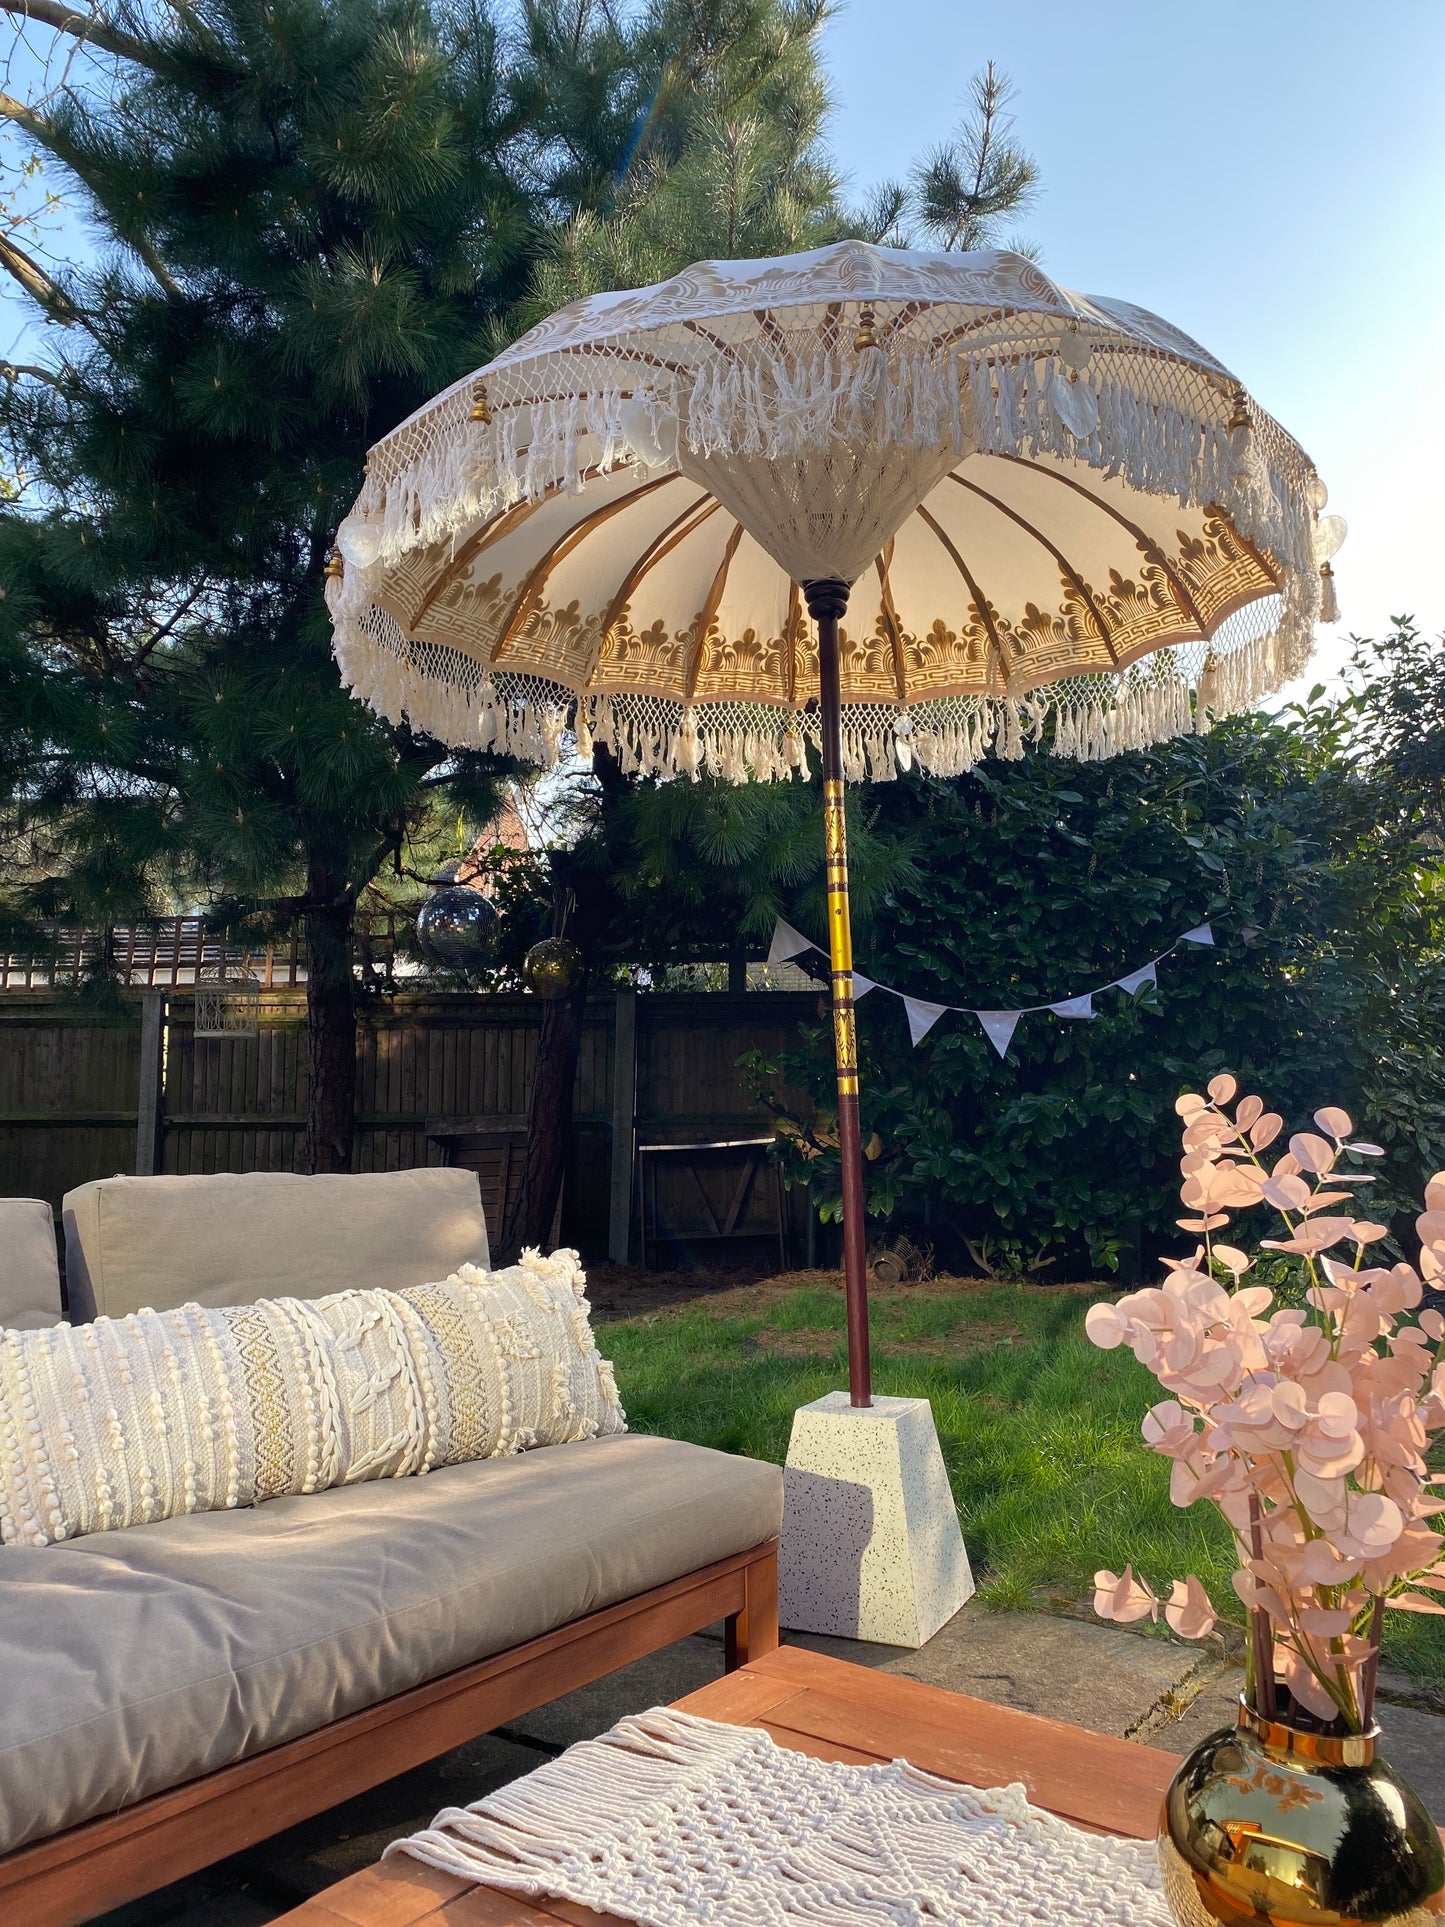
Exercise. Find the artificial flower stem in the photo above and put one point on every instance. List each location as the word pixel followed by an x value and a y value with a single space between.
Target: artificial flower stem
pixel 1371 1673
pixel 1260 1632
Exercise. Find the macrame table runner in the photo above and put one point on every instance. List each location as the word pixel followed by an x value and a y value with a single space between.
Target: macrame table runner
pixel 671 1820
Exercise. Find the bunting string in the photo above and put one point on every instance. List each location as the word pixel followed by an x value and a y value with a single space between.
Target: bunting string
pixel 998 1025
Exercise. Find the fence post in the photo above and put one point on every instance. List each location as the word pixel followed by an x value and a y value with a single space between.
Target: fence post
pixel 149 1121
pixel 624 1116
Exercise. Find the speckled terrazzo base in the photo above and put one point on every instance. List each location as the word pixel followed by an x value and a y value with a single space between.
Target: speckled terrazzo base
pixel 871 1547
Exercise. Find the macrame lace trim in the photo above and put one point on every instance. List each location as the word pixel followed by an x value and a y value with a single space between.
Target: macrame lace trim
pixel 450 695
pixel 675 1821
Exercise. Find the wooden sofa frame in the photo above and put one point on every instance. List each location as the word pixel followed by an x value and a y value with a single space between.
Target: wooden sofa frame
pixel 75 1875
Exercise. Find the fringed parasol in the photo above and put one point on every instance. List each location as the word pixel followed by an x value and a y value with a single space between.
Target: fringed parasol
pixel 1018 516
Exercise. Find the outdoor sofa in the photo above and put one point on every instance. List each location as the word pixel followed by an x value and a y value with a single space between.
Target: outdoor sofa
pixel 172 1692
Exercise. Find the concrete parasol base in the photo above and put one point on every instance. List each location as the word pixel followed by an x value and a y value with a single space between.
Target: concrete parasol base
pixel 871 1547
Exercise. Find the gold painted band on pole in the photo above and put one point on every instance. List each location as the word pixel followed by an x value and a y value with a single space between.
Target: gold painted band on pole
pixel 840 936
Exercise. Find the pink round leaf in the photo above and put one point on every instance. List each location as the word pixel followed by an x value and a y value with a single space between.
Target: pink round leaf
pixel 1123 1597
pixel 1106 1325
pixel 1189 1611
pixel 1314 1153
pixel 1335 1122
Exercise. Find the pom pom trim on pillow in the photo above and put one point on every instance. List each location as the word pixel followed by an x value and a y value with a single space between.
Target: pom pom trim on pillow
pixel 130 1420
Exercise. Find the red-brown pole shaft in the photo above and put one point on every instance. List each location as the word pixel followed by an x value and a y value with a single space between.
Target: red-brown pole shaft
pixel 827 601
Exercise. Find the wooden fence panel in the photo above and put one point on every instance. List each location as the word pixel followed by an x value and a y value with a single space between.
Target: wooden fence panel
pixel 425 1064
pixel 69 1082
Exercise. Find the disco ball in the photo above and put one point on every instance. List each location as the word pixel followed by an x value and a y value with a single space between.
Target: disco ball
pixel 458 928
pixel 552 968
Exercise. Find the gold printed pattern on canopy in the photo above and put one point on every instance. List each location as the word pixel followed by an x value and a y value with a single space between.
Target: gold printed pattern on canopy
pixel 1082 548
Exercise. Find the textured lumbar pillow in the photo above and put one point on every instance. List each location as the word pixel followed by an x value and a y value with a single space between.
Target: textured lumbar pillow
pixel 133 1419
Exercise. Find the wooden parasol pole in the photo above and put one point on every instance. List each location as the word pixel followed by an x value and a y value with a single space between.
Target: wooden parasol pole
pixel 827 601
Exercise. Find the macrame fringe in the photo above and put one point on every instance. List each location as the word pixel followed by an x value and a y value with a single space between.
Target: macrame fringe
pixel 668 1819
pixel 541 722
pixel 784 403
pixel 1130 412
pixel 524 1835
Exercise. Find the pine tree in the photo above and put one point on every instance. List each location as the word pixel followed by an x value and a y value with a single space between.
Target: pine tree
pixel 312 215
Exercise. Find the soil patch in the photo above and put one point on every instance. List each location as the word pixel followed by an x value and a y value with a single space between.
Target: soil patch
pixel 630 1291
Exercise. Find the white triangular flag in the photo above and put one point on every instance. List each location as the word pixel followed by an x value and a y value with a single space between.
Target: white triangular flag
pixel 787 942
pixel 922 1017
pixel 1075 1006
pixel 1201 933
pixel 1148 975
pixel 999 1027
pixel 862 985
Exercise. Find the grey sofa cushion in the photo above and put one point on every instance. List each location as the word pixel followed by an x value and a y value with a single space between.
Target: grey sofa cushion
pixel 29 1267
pixel 236 1237
pixel 135 1660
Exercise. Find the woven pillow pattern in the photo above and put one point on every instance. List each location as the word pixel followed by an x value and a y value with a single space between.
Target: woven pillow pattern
pixel 129 1420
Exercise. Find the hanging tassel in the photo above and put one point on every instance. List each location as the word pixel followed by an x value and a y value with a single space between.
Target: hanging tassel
pixel 1329 601
pixel 688 754
pixel 583 731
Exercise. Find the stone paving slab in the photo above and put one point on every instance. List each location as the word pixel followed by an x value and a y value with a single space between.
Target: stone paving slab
pixel 1101 1677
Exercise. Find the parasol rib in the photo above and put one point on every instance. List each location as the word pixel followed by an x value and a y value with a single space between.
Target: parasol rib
pixel 495 529
pixel 883 563
pixel 1270 569
pixel 980 603
pixel 1147 545
pixel 569 540
pixel 790 639
pixel 1066 569
pixel 661 546
pixel 706 613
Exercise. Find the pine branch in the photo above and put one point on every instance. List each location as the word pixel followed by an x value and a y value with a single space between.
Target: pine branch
pixel 48 135
pixel 158 269
pixel 41 289
pixel 86 27
pixel 26 371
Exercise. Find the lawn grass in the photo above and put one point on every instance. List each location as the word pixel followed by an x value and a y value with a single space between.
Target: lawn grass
pixel 1039 1429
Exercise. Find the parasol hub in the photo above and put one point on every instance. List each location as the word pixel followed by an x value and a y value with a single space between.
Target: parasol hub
pixel 826 596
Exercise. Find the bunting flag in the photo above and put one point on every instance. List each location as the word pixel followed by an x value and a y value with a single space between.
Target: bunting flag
pixel 998 1025
pixel 788 942
pixel 1075 1006
pixel 1136 980
pixel 922 1017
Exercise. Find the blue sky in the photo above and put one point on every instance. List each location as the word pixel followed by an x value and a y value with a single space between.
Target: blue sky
pixel 1270 176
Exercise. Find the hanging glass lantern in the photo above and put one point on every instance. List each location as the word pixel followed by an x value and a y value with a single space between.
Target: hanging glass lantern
pixel 228 1002
pixel 457 926
pixel 552 968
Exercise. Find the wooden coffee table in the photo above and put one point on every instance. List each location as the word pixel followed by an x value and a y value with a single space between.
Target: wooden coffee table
pixel 836 1712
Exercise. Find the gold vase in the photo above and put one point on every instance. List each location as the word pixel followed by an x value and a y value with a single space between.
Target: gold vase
pixel 1265 1823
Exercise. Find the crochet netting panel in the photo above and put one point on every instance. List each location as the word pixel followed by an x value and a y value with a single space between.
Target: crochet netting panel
pixel 671 1820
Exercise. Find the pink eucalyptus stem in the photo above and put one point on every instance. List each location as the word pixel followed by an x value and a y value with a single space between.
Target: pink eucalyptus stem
pixel 1260 1632
pixel 1371 1672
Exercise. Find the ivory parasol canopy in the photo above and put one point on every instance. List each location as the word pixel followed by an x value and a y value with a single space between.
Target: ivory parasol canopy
pixel 1061 518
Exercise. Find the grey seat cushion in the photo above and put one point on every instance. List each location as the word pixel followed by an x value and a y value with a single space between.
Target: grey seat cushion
pixel 132 1661
pixel 29 1265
